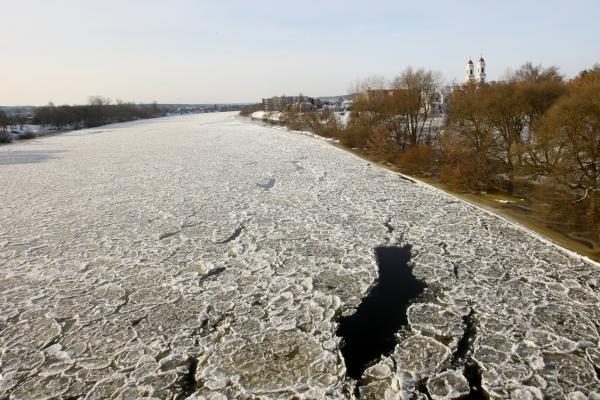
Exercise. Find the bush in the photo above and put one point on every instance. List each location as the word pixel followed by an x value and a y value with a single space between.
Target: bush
pixel 354 137
pixel 417 160
pixel 461 169
pixel 558 208
pixel 458 177
pixel 250 108
pixel 380 146
pixel 27 136
pixel 294 121
pixel 329 131
pixel 5 137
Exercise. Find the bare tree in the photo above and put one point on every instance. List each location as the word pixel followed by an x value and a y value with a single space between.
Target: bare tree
pixel 4 121
pixel 360 87
pixel 98 101
pixel 574 123
pixel 414 92
pixel 536 73
pixel 471 149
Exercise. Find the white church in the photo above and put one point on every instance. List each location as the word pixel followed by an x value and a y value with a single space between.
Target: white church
pixel 470 73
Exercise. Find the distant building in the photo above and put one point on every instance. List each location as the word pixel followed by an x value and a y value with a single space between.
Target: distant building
pixel 374 94
pixel 302 106
pixel 267 104
pixel 438 104
pixel 347 105
pixel 281 103
pixel 470 71
pixel 334 103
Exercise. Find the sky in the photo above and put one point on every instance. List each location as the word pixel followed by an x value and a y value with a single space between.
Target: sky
pixel 223 51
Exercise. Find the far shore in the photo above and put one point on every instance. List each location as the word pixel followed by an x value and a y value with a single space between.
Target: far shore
pixel 62 131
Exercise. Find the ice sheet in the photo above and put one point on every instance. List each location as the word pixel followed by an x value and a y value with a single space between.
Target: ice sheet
pixel 209 257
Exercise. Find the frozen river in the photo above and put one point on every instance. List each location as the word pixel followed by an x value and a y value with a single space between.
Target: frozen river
pixel 209 257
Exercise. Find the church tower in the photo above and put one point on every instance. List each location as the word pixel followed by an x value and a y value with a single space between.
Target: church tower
pixel 470 75
pixel 481 70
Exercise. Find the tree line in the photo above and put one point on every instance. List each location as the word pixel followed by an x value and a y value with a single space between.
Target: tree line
pixel 533 134
pixel 5 121
pixel 99 111
pixel 248 109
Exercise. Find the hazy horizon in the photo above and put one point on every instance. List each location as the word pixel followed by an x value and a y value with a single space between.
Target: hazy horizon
pixel 203 52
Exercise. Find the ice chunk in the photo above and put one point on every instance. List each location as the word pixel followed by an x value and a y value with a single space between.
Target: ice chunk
pixel 421 356
pixel 448 385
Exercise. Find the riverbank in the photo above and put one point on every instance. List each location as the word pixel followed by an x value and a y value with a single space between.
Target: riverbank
pixel 42 132
pixel 38 132
pixel 28 135
pixel 511 208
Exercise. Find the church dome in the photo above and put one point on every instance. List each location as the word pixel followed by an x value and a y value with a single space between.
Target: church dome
pixel 470 62
pixel 481 59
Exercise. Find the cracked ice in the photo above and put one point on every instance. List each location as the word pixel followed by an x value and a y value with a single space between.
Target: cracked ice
pixel 208 257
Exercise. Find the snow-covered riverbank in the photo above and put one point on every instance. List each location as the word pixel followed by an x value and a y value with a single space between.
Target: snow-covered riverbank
pixel 206 254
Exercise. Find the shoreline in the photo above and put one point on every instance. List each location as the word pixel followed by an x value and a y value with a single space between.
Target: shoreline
pixel 63 131
pixel 554 238
pixel 566 245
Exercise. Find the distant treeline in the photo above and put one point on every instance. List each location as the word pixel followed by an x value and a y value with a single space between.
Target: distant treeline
pixel 248 109
pixel 98 112
pixel 15 121
pixel 5 121
pixel 533 134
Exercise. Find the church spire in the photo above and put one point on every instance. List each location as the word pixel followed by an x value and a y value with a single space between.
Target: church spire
pixel 470 75
pixel 481 70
